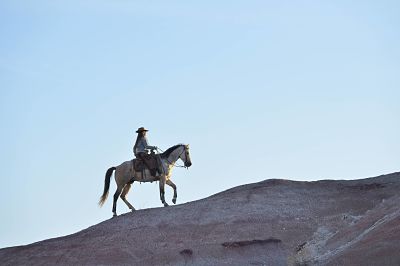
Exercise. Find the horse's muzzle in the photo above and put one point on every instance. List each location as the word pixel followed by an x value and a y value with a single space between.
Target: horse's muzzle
pixel 188 164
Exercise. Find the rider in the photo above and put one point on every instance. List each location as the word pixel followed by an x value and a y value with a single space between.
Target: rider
pixel 141 147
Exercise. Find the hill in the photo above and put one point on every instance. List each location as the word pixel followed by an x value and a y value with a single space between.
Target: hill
pixel 273 222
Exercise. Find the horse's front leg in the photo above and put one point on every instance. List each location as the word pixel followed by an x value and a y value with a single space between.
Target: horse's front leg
pixel 171 184
pixel 162 190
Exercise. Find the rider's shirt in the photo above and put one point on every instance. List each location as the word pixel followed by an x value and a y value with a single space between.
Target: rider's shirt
pixel 142 145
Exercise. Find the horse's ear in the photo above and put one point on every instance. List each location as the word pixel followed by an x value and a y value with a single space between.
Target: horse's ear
pixel 187 146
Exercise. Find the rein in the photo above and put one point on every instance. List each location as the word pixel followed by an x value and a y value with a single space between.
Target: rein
pixel 174 164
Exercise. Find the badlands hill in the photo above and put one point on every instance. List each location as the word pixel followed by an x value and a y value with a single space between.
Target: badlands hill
pixel 273 222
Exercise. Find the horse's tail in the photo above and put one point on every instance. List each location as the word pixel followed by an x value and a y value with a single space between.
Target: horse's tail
pixel 106 185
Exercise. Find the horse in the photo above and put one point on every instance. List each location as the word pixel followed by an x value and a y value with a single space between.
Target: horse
pixel 125 175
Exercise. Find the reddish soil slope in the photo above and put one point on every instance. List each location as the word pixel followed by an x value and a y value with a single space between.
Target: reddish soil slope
pixel 274 222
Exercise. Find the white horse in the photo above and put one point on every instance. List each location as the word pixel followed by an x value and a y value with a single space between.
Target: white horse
pixel 125 175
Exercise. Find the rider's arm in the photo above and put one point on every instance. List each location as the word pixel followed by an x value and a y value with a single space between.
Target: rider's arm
pixel 146 144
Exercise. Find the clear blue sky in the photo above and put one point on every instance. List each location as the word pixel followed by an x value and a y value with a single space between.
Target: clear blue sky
pixel 301 90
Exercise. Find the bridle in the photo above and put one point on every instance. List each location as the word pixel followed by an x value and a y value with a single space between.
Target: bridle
pixel 174 164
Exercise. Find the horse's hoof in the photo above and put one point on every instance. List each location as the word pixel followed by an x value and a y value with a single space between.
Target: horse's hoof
pixel 133 210
pixel 174 201
pixel 114 215
pixel 166 205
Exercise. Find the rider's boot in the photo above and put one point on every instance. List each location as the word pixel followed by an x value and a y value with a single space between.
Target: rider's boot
pixel 153 172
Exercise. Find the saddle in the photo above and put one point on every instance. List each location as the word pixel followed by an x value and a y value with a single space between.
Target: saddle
pixel 138 165
pixel 147 161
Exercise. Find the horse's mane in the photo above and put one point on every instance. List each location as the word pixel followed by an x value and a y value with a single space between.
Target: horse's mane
pixel 170 150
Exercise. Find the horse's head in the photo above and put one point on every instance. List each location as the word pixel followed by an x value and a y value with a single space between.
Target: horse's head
pixel 180 151
pixel 185 156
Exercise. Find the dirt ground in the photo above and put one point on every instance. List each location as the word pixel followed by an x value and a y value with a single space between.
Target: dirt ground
pixel 274 222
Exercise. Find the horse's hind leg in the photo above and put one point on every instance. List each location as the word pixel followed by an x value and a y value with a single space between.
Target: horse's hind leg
pixel 116 195
pixel 171 184
pixel 123 196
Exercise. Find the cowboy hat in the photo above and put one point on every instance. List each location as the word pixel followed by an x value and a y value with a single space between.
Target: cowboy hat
pixel 141 129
